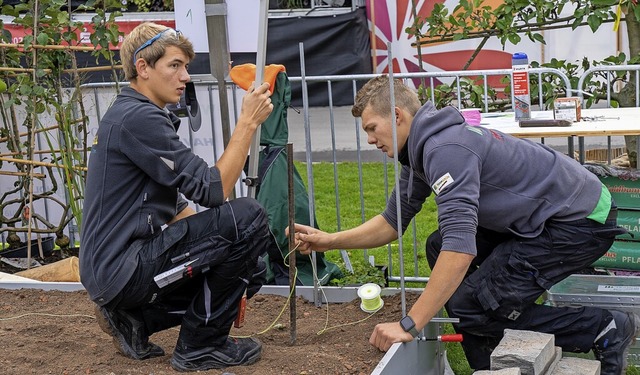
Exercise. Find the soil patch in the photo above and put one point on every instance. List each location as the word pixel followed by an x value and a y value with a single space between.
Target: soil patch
pixel 54 332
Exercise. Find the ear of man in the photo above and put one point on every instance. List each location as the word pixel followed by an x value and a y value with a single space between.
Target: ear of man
pixel 142 69
pixel 402 117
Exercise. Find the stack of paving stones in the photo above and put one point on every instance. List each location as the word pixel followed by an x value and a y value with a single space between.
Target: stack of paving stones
pixel 533 353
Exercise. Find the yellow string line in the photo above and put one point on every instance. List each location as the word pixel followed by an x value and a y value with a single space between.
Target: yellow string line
pixel 275 321
pixel 50 315
pixel 326 322
pixel 320 332
pixel 284 305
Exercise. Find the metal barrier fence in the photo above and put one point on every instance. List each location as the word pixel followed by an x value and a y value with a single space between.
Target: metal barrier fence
pixel 208 141
pixel 455 76
pixel 610 80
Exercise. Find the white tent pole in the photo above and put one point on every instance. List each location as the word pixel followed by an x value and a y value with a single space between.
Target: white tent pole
pixel 252 178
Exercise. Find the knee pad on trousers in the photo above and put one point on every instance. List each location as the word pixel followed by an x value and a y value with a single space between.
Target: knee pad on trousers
pixel 248 211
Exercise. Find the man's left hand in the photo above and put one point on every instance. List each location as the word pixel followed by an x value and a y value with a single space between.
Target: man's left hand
pixel 386 334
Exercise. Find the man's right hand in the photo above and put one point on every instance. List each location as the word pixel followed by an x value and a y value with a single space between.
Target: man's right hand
pixel 256 105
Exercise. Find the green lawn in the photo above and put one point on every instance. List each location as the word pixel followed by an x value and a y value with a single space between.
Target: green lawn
pixel 355 209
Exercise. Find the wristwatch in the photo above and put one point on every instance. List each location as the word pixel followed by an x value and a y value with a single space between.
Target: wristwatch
pixel 409 325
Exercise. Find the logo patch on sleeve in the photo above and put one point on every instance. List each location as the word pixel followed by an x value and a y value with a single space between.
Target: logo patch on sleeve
pixel 442 183
pixel 169 163
pixel 475 130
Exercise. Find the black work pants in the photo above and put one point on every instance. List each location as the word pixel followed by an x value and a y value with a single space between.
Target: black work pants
pixel 222 246
pixel 508 275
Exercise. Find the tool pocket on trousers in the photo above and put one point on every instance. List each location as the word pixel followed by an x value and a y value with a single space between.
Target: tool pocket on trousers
pixel 487 296
pixel 505 294
pixel 169 237
pixel 498 304
pixel 497 299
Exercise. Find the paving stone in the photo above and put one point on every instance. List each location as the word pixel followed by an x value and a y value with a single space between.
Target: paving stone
pixel 574 365
pixel 504 371
pixel 531 352
pixel 556 358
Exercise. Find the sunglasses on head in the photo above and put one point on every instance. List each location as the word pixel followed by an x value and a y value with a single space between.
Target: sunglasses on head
pixel 149 42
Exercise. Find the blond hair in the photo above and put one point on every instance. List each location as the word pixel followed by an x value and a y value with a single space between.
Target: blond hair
pixel 142 34
pixel 376 94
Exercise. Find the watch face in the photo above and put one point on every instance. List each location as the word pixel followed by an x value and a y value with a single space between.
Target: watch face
pixel 407 323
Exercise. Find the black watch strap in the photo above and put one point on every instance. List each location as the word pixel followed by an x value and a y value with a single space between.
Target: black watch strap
pixel 409 325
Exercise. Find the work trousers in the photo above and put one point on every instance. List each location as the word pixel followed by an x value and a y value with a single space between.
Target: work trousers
pixel 510 273
pixel 219 250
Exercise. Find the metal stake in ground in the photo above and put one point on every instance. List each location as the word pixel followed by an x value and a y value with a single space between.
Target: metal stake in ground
pixel 292 245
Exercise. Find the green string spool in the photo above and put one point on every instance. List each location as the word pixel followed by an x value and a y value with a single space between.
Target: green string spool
pixel 370 298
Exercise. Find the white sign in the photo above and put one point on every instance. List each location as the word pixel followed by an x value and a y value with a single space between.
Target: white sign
pixel 242 23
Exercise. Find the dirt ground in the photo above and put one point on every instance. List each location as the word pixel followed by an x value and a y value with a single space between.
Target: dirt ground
pixel 54 332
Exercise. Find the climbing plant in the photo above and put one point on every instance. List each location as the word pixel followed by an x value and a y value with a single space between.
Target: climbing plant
pixel 43 122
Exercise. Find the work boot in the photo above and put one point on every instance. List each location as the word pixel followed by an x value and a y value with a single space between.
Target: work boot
pixel 235 352
pixel 612 343
pixel 128 333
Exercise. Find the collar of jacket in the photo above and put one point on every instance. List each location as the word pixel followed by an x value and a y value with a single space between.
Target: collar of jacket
pixel 132 93
pixel 403 155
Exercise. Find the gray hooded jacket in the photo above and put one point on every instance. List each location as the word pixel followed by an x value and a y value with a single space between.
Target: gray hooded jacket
pixel 137 170
pixel 482 177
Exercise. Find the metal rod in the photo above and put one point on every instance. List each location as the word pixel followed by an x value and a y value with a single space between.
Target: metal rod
pixel 394 127
pixel 416 270
pixel 292 245
pixel 216 18
pixel 407 279
pixel 307 140
pixel 363 216
pixel 343 253
pixel 213 123
pixel 456 74
pixel 260 63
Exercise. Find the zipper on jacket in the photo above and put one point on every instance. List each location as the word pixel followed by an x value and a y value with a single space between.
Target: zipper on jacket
pixel 150 223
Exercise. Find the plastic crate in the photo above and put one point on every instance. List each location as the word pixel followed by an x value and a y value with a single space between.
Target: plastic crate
pixel 609 292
